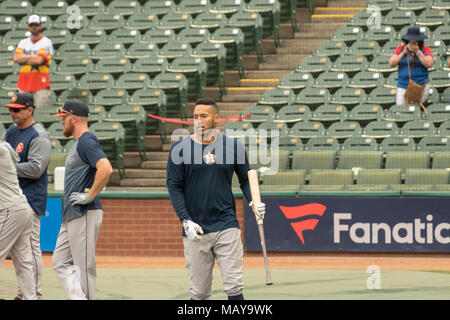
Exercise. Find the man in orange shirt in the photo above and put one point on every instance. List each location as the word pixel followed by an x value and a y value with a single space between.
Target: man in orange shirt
pixel 34 54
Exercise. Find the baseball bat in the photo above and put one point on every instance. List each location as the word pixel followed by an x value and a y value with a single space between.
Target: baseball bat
pixel 256 199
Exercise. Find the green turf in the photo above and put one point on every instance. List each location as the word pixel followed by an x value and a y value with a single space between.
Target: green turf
pixel 172 284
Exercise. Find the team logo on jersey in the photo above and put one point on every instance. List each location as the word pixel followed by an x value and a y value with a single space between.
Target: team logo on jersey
pixel 210 158
pixel 19 147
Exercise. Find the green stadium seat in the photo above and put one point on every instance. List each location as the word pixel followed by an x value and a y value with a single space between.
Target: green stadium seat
pixel 283 181
pixel 349 97
pixel 124 36
pixel 55 131
pixel 251 24
pixel 347 34
pixel 293 113
pixel 111 136
pixel 209 20
pixel 160 37
pixel 265 129
pixel 438 112
pixel 344 129
pixel 110 97
pixel 6 51
pixel 89 36
pixel 385 97
pixel 444 129
pixel 307 129
pixel 133 120
pixel 380 35
pixel 132 81
pixel 398 144
pixel 439 79
pixel 194 69
pixel 349 64
pixel 399 18
pixel 360 159
pixel 9 83
pixel 381 64
pixel 107 21
pixel 433 18
pixel 426 176
pixel 270 13
pixel 331 179
pixel 438 48
pixel 365 113
pixel 434 144
pixel 174 21
pixel 72 50
pixel 364 48
pixel 193 36
pixel 58 37
pixel 322 144
pixel 259 113
pixel 378 177
pixel 296 81
pixel 193 7
pixel 309 160
pixel 159 7
pixel 153 65
pixel 360 19
pixel 392 80
pixel 175 49
pixel 442 33
pixel 16 8
pixel 440 4
pixel 74 66
pixel 154 101
pixel 331 49
pixel 90 8
pixel 441 160
pixel 384 5
pixel 112 66
pixel 175 87
pixel 95 81
pixel 277 97
pixel 237 129
pixel 97 113
pixel 44 115
pixel 5 118
pixel 141 51
pixel 414 5
pixel 50 7
pixel 402 114
pixel 71 22
pixel 141 21
pixel 380 129
pixel 331 80
pixel 233 40
pixel 227 7
pixel 417 129
pixel 389 47
pixel 366 80
pixel 8 67
pixel 214 54
pixel 107 50
pixel 61 82
pixel 13 37
pixel 290 144
pixel 314 65
pixel 359 144
pixel 313 97
pixel 56 145
pixel 123 7
pixel 407 160
pixel 329 113
pixel 6 22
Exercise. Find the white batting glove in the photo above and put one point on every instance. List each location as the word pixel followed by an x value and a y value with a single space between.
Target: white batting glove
pixel 260 209
pixel 192 230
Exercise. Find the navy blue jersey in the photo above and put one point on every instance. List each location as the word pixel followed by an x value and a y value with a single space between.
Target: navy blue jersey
pixel 33 146
pixel 199 181
pixel 80 173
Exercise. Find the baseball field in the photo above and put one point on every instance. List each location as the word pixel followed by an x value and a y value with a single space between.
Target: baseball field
pixel 308 277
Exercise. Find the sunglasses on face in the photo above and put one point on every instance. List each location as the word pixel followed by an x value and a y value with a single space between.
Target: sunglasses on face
pixel 34 25
pixel 61 110
pixel 17 110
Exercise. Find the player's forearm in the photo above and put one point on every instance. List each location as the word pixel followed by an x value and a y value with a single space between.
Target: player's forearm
pixel 32 60
pixel 178 202
pixel 38 159
pixel 104 171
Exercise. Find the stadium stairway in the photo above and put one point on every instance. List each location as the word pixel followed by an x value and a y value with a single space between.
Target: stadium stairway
pixel 313 28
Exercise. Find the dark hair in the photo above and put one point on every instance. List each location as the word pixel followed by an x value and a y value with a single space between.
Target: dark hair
pixel 207 102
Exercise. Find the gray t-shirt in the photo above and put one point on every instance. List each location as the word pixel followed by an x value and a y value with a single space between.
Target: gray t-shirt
pixel 80 173
pixel 10 191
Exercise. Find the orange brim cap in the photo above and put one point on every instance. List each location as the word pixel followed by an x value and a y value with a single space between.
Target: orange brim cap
pixel 15 105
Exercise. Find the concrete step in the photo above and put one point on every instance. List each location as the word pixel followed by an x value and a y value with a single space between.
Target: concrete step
pixel 317 30
pixel 281 62
pixel 154 165
pixel 153 142
pixel 343 3
pixel 146 174
pixel 298 46
pixel 143 182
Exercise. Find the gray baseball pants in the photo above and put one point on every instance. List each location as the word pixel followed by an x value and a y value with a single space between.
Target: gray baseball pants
pixel 74 256
pixel 225 247
pixel 15 232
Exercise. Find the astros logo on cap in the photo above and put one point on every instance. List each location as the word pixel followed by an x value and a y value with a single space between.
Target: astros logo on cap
pixel 13 98
pixel 19 147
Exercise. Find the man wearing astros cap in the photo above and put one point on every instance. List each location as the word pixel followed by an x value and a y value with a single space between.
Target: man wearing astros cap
pixel 32 143
pixel 87 171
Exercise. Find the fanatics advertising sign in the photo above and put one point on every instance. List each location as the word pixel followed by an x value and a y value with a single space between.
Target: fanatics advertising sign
pixel 352 225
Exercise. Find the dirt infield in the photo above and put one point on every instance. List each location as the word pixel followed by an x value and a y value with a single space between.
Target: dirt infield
pixel 435 262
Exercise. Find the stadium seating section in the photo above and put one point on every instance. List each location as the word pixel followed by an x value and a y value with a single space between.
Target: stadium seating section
pixel 338 125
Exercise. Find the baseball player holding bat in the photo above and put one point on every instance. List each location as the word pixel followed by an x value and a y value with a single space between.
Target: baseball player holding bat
pixel 15 222
pixel 199 173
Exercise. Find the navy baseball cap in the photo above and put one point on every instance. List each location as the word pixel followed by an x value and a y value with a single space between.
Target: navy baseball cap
pixel 21 100
pixel 73 107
